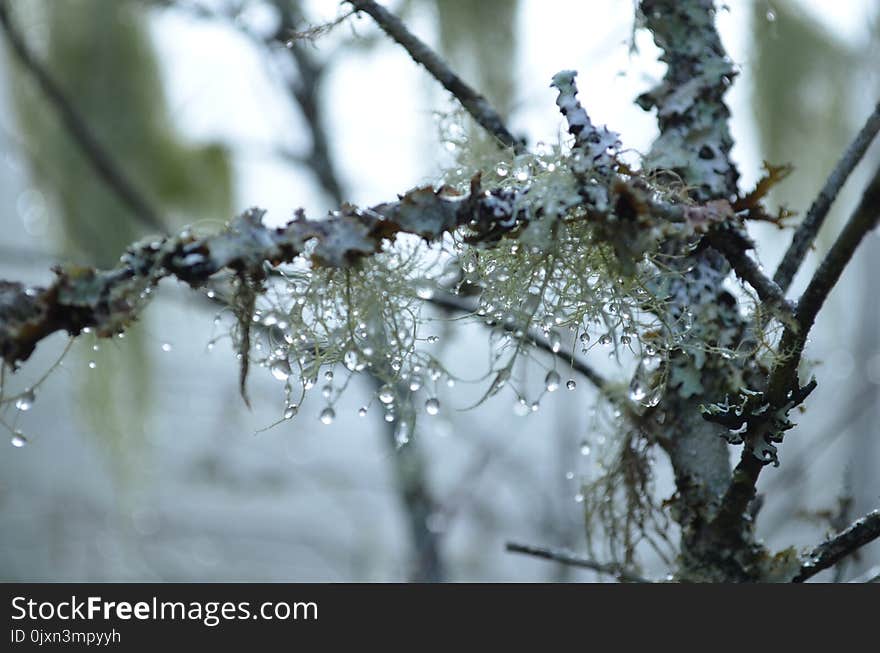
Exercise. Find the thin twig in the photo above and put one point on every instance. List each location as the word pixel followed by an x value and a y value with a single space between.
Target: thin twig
pixel 471 100
pixel 809 228
pixel 568 558
pixel 746 269
pixel 103 164
pixel 831 551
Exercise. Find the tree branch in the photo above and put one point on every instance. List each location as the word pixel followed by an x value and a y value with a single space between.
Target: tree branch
pixel 815 218
pixel 783 384
pixel 474 103
pixel 103 164
pixel 568 558
pixel 832 551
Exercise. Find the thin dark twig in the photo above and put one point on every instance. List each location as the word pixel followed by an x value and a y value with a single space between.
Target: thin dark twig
pixel 746 269
pixel 470 99
pixel 807 230
pixel 830 552
pixel 103 164
pixel 568 558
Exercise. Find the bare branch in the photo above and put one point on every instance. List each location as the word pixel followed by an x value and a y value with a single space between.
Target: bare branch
pixel 747 270
pixel 471 100
pixel 815 218
pixel 832 551
pixel 568 558
pixel 103 164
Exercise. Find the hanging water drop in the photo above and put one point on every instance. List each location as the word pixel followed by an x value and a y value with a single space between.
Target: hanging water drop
pixel 18 440
pixel 290 411
pixel 328 415
pixel 432 406
pixel 571 384
pixel 552 381
pixel 92 365
pixel 26 400
pixel 521 407
pixel 166 346
pixel 362 411
pixel 605 339
pixel 280 369
pixel 386 394
pixel 585 449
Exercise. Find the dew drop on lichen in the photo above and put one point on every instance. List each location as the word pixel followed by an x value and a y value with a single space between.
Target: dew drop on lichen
pixel 605 339
pixel 25 401
pixel 432 406
pixel 571 384
pixel 521 407
pixel 552 381
pixel 280 369
pixel 290 411
pixel 328 415
pixel 386 394
pixel 18 440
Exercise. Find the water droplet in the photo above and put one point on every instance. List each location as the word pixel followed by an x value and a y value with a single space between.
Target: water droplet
pixel 290 411
pixel 26 400
pixel 386 394
pixel 605 339
pixel 637 392
pixel 328 415
pixel 432 340
pixel 18 440
pixel 771 16
pixel 584 338
pixel 579 498
pixel 432 406
pixel 92 365
pixel 424 291
pixel 389 417
pixel 552 381
pixel 326 391
pixel 280 369
pixel 166 346
pixel 362 411
pixel 328 375
pixel 555 341
pixel 521 407
pixel 501 170
pixel 352 362
pixel 571 384
pixel 415 383
pixel 569 476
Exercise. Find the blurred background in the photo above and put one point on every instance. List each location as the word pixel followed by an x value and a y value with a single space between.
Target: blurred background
pixel 141 462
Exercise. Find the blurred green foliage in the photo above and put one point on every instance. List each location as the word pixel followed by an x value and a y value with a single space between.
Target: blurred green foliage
pixel 100 52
